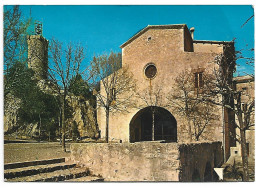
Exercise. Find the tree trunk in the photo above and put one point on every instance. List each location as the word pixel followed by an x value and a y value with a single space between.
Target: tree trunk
pixel 107 124
pixel 60 128
pixel 40 124
pixel 152 125
pixel 190 134
pixel 244 155
pixel 188 118
pixel 242 125
pixel 63 125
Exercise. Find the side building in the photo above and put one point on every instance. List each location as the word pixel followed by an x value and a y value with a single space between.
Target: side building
pixel 246 84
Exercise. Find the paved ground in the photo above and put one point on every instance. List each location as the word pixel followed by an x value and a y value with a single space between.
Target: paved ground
pixel 19 152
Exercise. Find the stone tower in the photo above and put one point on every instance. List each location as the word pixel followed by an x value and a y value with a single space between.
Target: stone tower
pixel 38 55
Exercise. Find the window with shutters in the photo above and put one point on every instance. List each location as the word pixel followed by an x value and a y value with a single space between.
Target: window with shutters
pixel 198 79
pixel 113 94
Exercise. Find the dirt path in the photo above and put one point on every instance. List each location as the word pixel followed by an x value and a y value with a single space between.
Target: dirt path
pixel 19 152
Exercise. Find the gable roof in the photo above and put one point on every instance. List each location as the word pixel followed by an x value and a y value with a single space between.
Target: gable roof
pixel 174 26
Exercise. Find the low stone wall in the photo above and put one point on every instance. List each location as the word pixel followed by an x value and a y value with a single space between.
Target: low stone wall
pixel 195 157
pixel 142 161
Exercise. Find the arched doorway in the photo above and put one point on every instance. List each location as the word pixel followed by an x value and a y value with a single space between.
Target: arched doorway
pixel 141 125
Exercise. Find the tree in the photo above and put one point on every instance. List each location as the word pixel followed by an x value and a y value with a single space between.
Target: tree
pixel 232 99
pixel 65 66
pixel 203 116
pixel 80 88
pixel 15 46
pixel 186 100
pixel 116 84
pixel 35 106
pixel 39 107
pixel 151 97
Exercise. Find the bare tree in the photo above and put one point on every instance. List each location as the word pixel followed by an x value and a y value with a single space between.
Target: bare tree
pixel 183 98
pixel 65 65
pixel 116 85
pixel 186 100
pixel 151 98
pixel 232 99
pixel 203 116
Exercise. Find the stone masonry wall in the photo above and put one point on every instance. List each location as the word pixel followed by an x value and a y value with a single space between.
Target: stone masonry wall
pixel 38 55
pixel 195 156
pixel 146 161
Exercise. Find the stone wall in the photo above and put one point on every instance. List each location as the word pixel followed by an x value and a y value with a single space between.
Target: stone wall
pixel 195 156
pixel 145 161
pixel 83 116
pixel 38 55
pixel 11 107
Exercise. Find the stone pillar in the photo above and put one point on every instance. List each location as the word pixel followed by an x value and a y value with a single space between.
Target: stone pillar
pixel 38 55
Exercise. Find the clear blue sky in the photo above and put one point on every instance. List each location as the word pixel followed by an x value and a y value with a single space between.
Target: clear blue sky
pixel 105 28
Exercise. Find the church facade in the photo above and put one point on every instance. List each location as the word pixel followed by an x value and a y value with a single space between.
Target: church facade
pixel 155 56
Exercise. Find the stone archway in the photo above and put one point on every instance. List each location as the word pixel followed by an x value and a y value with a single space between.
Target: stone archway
pixel 141 125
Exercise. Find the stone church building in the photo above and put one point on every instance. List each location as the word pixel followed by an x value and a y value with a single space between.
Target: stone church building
pixel 155 56
pixel 137 150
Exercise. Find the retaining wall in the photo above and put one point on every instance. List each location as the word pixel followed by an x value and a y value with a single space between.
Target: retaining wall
pixel 143 161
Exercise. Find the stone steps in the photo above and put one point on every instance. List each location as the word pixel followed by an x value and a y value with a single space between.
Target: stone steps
pixel 58 175
pixel 33 163
pixel 33 170
pixel 86 179
pixel 47 171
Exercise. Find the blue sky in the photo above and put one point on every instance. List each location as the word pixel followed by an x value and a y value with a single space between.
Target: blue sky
pixel 105 28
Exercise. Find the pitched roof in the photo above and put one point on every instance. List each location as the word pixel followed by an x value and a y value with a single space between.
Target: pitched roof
pixel 174 26
pixel 244 79
pixel 213 42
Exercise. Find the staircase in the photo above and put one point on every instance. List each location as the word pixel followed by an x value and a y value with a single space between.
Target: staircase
pixel 47 171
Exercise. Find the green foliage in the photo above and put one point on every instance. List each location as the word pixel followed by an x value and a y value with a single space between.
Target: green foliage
pixel 36 106
pixel 15 32
pixel 18 79
pixel 80 88
pixel 233 172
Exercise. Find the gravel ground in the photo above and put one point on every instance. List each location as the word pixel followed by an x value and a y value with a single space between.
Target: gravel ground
pixel 20 152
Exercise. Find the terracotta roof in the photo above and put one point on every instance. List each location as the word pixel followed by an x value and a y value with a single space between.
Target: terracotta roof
pixel 175 26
